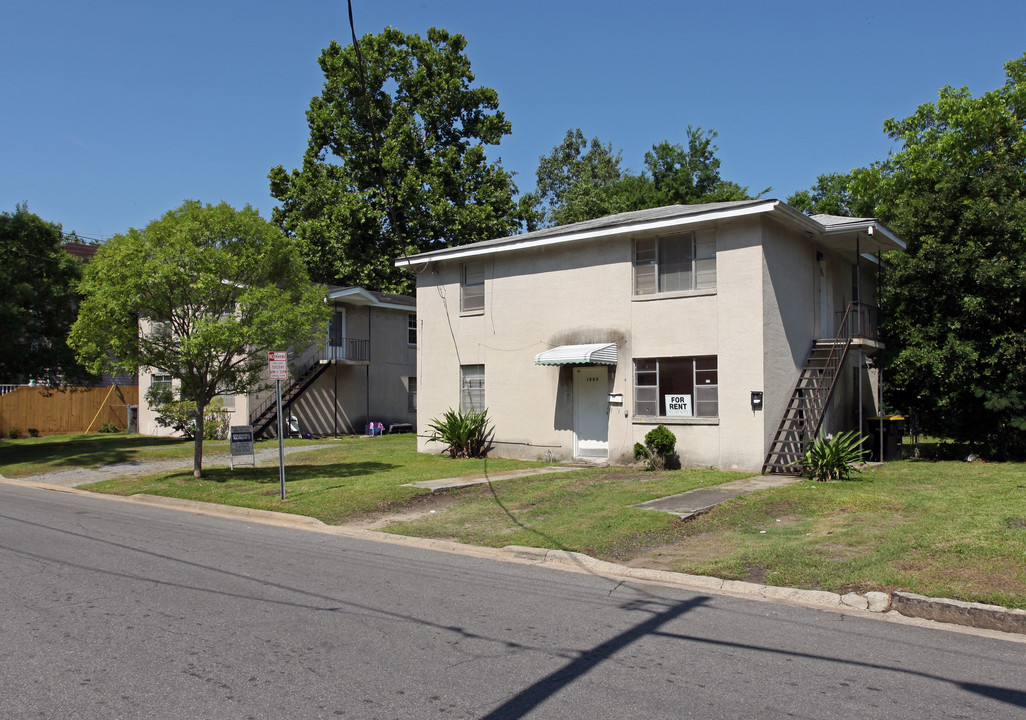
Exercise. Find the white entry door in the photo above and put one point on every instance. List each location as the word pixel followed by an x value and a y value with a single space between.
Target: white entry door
pixel 591 412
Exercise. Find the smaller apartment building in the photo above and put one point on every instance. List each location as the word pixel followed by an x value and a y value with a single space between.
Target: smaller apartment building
pixel 364 371
pixel 582 338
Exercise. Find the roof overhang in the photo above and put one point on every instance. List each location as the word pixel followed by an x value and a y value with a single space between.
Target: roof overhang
pixel 591 354
pixel 360 296
pixel 548 237
pixel 849 236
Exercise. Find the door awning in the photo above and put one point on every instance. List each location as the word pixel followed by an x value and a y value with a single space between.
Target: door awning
pixel 595 353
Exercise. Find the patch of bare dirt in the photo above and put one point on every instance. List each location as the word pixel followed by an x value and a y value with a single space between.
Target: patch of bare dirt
pixel 415 509
pixel 693 550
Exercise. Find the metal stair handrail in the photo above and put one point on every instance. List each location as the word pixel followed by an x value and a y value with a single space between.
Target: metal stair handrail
pixel 819 397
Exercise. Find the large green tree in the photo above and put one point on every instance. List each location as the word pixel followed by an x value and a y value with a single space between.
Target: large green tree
pixel 202 294
pixel 396 160
pixel 686 175
pixel 571 180
pixel 955 302
pixel 38 302
pixel 580 180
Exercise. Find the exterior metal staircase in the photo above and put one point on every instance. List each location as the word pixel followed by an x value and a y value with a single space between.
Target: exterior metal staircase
pixel 263 421
pixel 340 349
pixel 804 413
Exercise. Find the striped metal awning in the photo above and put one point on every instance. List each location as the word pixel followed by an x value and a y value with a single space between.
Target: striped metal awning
pixel 593 354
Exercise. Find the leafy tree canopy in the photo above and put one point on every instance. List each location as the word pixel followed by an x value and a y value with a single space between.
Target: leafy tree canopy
pixel 38 301
pixel 579 180
pixel 396 160
pixel 955 302
pixel 201 294
pixel 848 194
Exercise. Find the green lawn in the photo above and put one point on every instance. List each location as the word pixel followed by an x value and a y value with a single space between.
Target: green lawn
pixel 940 528
pixel 33 456
pixel 944 529
pixel 353 477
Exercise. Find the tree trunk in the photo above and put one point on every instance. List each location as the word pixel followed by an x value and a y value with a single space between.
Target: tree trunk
pixel 197 457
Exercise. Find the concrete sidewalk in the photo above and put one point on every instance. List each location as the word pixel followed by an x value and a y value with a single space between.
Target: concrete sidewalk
pixel 443 484
pixel 700 500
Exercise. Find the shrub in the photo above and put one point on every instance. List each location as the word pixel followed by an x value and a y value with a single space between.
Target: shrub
pixel 834 457
pixel 465 434
pixel 109 428
pixel 13 433
pixel 659 450
pixel 180 415
pixel 33 432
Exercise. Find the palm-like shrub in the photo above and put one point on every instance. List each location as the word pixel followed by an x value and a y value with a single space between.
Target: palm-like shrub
pixel 834 458
pixel 465 434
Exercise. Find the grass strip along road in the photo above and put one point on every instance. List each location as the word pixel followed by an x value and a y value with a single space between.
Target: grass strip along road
pixel 939 528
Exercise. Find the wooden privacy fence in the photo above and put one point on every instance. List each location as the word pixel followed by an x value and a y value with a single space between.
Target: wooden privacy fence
pixel 71 410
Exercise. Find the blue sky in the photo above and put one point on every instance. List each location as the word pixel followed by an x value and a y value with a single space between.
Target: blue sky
pixel 113 112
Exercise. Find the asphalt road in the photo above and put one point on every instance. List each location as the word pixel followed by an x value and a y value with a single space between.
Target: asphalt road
pixel 113 610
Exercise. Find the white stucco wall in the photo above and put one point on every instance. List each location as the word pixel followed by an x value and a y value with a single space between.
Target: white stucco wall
pixel 583 293
pixel 378 391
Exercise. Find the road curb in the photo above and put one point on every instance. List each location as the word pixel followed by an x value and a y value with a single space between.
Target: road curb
pixel 978 615
pixel 911 605
pixel 952 612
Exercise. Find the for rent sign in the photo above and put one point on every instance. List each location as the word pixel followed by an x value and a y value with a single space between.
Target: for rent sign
pixel 678 405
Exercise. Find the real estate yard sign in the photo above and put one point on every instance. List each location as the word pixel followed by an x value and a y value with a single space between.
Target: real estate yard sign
pixel 242 443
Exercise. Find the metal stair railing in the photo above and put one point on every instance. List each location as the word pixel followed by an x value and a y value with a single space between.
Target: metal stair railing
pixel 338 349
pixel 803 415
pixel 261 421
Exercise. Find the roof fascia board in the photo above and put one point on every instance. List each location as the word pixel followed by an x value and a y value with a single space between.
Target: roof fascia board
pixel 367 298
pixel 394 306
pixel 871 226
pixel 353 292
pixel 698 219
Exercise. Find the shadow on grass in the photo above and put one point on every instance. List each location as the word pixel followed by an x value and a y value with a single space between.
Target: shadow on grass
pixel 81 450
pixel 293 473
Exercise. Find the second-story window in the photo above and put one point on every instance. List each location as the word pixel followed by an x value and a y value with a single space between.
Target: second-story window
pixel 472 287
pixel 411 329
pixel 675 263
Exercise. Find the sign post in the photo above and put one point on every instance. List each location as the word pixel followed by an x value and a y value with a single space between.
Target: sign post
pixel 278 370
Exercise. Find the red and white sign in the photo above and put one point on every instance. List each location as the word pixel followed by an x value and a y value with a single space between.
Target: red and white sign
pixel 278 364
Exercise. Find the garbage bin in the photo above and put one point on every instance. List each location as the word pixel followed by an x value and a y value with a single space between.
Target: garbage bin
pixel 132 419
pixel 893 429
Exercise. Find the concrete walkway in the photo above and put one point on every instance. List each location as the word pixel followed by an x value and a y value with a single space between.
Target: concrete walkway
pixel 443 484
pixel 700 500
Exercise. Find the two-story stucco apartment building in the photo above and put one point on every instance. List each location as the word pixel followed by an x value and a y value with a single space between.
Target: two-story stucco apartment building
pixel 580 339
pixel 364 371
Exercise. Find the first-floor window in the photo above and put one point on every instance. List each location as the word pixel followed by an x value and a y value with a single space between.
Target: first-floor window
pixel 411 389
pixel 160 383
pixel 676 387
pixel 472 389
pixel 227 397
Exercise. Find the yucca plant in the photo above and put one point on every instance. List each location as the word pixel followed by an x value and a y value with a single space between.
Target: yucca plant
pixel 834 457
pixel 465 434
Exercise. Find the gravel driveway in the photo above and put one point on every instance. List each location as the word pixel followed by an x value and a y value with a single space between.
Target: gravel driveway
pixel 83 476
